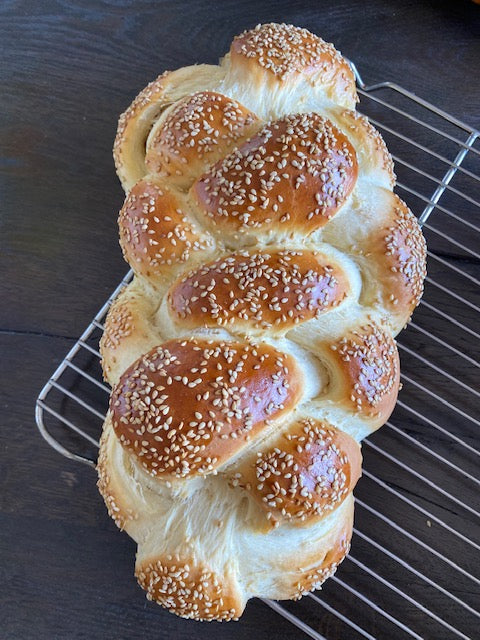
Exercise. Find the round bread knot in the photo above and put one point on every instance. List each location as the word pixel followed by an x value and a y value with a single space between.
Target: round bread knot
pixel 189 589
pixel 156 235
pixel 404 253
pixel 195 133
pixel 304 473
pixel 254 349
pixel 366 364
pixel 281 54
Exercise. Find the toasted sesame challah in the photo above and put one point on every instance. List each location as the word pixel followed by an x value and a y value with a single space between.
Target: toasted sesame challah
pixel 254 348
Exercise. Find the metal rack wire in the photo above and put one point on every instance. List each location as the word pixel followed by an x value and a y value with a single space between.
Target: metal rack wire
pixel 413 570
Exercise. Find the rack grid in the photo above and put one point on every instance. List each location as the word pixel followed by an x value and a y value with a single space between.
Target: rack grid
pixel 414 567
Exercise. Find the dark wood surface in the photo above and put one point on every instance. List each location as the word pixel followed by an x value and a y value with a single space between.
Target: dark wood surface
pixel 68 69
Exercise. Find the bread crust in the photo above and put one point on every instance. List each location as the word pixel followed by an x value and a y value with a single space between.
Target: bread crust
pixel 255 347
pixel 270 290
pixel 135 123
pixel 196 133
pixel 156 234
pixel 275 54
pixel 304 472
pixel 187 406
pixel 294 174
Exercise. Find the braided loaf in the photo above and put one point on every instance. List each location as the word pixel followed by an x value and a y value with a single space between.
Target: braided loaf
pixel 254 347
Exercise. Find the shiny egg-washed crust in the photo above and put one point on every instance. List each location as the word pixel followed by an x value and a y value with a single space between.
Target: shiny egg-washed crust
pixel 279 55
pixel 156 235
pixel 294 175
pixel 366 362
pixel 306 471
pixel 214 540
pixel 197 131
pixel 243 289
pixel 188 405
pixel 254 348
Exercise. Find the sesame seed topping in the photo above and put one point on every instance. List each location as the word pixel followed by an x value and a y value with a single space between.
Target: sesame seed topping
pixel 119 324
pixel 263 289
pixel 202 127
pixel 187 589
pixel 371 143
pixel 284 49
pixel 154 231
pixel 405 250
pixel 314 578
pixel 146 97
pixel 306 475
pixel 246 191
pixel 369 359
pixel 182 438
pixel 189 405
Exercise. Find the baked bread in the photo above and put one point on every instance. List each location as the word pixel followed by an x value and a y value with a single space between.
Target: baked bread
pixel 254 348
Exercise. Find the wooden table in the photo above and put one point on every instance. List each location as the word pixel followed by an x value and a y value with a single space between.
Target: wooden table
pixel 68 69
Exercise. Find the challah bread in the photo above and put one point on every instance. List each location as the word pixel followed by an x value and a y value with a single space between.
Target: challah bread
pixel 254 348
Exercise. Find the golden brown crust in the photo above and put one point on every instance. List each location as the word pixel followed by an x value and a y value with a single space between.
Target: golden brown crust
pixel 304 473
pixel 189 588
pixel 187 406
pixel 151 96
pixel 155 233
pixel 216 448
pixel 284 53
pixel 198 131
pixel 398 251
pixel 119 325
pixel 294 174
pixel 385 239
pixel 136 122
pixel 268 290
pixel 367 362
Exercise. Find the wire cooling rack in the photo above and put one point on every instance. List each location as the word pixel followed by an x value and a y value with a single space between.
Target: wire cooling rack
pixel 414 567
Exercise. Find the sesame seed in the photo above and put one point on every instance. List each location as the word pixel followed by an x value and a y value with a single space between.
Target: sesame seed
pixel 264 289
pixel 194 427
pixel 268 195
